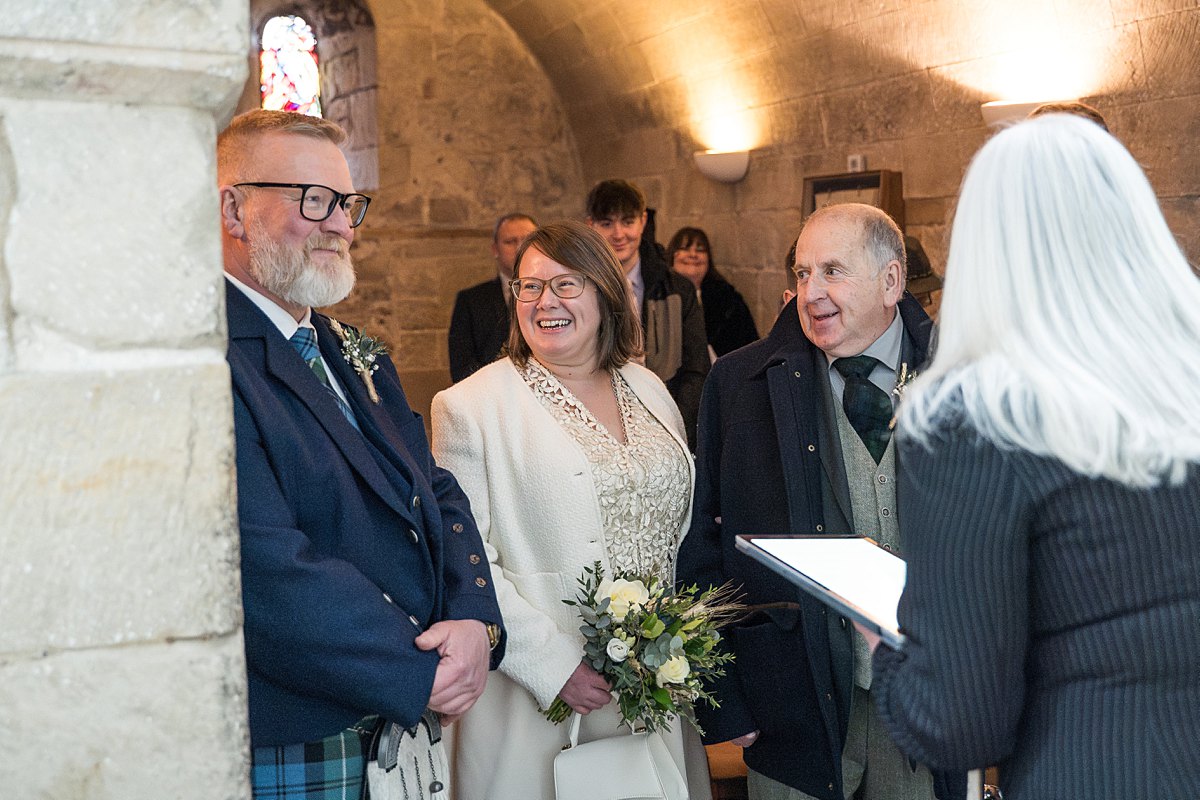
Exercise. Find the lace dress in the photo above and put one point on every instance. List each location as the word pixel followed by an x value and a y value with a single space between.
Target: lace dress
pixel 642 485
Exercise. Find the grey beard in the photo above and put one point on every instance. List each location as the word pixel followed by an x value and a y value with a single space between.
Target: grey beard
pixel 288 274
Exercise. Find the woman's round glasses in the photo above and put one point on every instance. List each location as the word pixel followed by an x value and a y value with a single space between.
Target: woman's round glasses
pixel 317 202
pixel 528 290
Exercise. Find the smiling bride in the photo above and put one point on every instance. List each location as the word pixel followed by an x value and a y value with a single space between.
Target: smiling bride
pixel 571 453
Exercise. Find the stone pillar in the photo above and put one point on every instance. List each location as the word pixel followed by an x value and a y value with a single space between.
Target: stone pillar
pixel 121 666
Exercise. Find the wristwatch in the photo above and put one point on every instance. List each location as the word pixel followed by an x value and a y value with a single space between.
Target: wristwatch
pixel 493 632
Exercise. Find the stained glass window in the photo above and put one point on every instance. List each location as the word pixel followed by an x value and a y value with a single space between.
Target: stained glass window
pixel 290 81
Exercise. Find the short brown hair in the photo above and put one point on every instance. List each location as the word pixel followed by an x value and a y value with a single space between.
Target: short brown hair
pixel 516 215
pixel 615 198
pixel 580 249
pixel 1074 107
pixel 233 142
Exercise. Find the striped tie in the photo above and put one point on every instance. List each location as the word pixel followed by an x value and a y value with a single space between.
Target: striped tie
pixel 305 342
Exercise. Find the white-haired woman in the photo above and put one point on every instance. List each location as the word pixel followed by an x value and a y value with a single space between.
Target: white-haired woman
pixel 1051 486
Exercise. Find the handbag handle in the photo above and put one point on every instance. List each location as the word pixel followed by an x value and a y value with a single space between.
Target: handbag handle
pixel 576 718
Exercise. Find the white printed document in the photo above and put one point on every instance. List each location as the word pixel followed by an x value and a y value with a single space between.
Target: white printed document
pixel 853 575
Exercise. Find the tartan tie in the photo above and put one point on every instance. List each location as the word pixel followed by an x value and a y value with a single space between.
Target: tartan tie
pixel 305 342
pixel 868 407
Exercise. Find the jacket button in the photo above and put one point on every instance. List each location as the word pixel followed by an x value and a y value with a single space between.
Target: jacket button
pixel 831 787
pixel 480 582
pixel 883 478
pixel 414 621
pixel 388 597
pixel 797 374
pixel 474 559
pixel 417 501
pixel 820 528
pixel 412 536
pixel 887 512
pixel 457 527
pixel 812 448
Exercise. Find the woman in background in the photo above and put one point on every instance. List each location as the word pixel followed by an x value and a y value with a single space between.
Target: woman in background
pixel 727 321
pixel 1051 485
pixel 570 454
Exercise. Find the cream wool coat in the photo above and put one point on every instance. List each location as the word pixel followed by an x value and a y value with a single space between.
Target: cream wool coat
pixel 531 493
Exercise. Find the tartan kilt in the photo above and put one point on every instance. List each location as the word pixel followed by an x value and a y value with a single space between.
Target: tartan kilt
pixel 330 769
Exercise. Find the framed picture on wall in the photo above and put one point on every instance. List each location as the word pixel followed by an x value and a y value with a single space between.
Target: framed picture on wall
pixel 882 188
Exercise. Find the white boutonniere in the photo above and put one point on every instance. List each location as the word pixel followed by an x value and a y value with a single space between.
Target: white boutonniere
pixel 902 381
pixel 360 352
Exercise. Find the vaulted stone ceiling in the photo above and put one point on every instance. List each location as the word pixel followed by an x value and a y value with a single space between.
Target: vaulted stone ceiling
pixel 761 72
pixel 807 83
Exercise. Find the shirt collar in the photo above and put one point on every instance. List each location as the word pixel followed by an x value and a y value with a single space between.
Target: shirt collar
pixel 634 275
pixel 281 319
pixel 886 348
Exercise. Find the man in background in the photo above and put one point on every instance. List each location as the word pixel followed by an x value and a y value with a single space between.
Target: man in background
pixel 479 322
pixel 672 319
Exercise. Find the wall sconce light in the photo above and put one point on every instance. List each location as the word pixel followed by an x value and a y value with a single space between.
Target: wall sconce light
pixel 727 167
pixel 1004 112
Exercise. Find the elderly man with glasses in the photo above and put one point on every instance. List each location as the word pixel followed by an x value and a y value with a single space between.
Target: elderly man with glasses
pixel 369 617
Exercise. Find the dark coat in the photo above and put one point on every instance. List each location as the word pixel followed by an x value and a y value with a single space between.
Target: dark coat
pixel 728 323
pixel 671 300
pixel 767 464
pixel 1071 657
pixel 351 544
pixel 478 327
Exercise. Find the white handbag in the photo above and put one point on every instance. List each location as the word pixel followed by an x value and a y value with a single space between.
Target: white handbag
pixel 637 766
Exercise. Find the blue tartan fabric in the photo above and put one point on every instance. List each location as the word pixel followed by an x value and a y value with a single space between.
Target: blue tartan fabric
pixel 330 769
pixel 305 342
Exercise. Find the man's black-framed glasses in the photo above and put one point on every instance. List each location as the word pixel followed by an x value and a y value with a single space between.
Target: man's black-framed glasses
pixel 317 202
pixel 528 290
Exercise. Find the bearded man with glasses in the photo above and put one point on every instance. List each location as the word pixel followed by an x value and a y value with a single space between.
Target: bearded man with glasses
pixel 369 620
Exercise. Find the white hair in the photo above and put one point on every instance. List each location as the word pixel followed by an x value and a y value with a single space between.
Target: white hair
pixel 1070 320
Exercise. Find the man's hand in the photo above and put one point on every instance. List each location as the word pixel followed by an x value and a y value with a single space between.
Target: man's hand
pixel 462 671
pixel 746 739
pixel 585 690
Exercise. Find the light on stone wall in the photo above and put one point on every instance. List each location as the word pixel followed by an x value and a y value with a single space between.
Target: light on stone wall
pixel 1025 49
pixel 727 123
pixel 726 167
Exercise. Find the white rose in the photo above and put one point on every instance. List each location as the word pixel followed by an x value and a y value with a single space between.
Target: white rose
pixel 617 650
pixel 623 595
pixel 674 671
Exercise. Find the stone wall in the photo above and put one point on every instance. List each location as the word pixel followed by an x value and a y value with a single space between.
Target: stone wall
pixel 469 128
pixel 121 666
pixel 807 83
